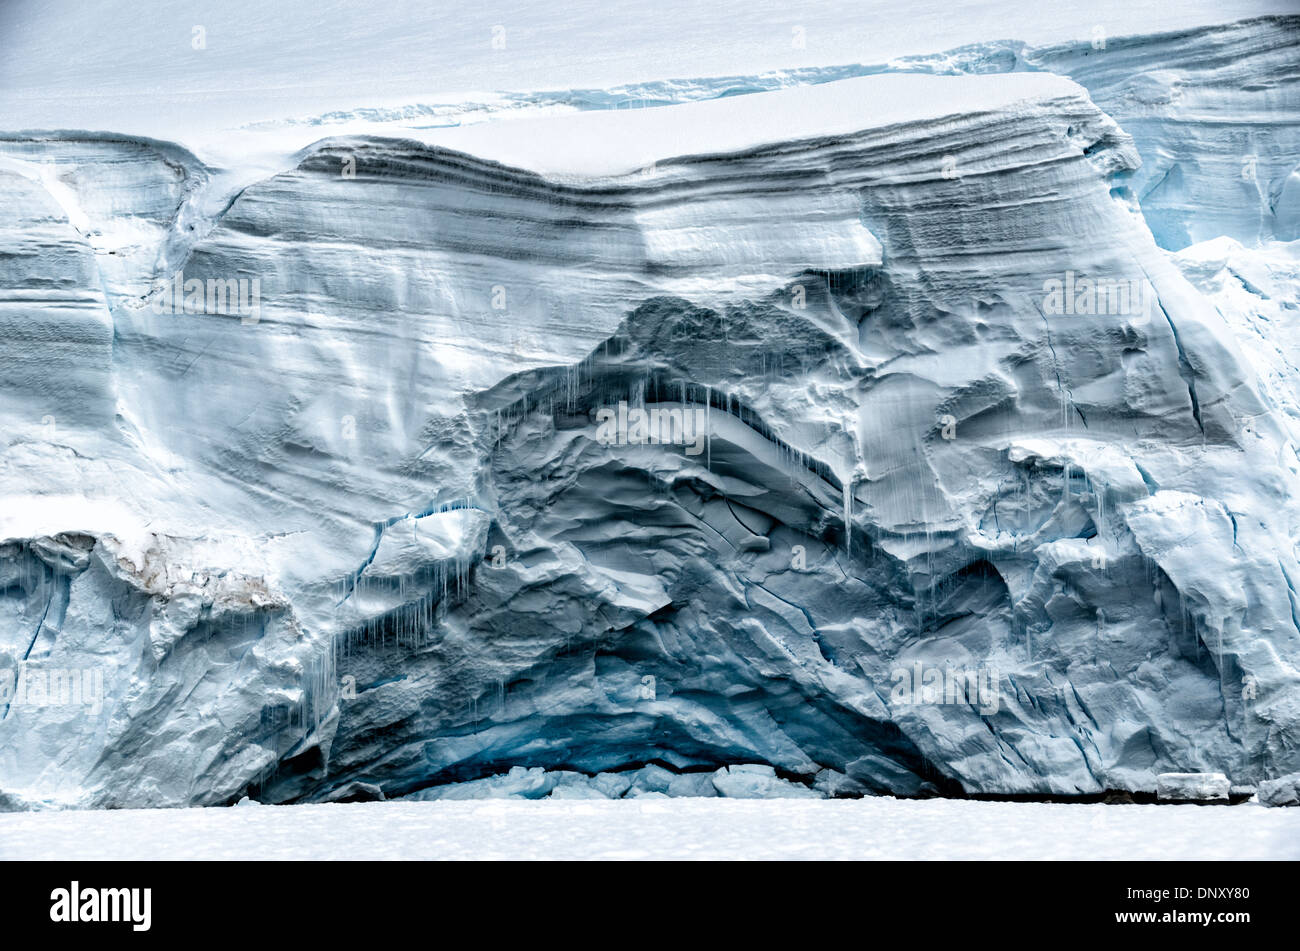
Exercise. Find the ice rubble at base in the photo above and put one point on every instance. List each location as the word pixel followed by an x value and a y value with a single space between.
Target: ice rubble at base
pixel 1283 791
pixel 367 545
pixel 743 781
pixel 1192 787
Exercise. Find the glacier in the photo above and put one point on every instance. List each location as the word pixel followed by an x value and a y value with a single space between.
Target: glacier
pixel 362 540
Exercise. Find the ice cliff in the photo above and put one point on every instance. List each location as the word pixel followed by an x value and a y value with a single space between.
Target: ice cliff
pixel 996 373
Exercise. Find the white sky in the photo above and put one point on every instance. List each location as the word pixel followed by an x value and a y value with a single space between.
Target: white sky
pixel 129 65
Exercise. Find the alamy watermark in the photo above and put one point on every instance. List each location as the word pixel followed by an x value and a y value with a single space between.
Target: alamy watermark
pixel 77 904
pixel 232 297
pixel 634 426
pixel 1083 295
pixel 970 686
pixel 53 687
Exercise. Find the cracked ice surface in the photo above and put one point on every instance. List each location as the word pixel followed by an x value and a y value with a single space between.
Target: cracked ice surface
pixel 369 545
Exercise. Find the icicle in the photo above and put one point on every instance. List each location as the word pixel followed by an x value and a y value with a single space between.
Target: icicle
pixel 708 427
pixel 848 516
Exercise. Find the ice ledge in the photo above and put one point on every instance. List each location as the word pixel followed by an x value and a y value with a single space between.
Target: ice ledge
pixel 615 142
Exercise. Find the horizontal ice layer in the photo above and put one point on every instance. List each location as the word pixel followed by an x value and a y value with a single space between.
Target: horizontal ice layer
pixel 367 538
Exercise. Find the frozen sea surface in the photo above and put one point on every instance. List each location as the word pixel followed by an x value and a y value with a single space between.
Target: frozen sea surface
pixel 876 828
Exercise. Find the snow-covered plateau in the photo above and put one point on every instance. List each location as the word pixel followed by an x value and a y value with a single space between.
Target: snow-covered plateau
pixel 891 419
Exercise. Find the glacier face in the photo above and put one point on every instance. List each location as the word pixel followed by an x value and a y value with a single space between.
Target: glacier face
pixel 1212 111
pixel 367 539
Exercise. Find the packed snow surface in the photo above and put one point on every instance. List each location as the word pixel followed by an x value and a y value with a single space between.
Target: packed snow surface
pixel 878 828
